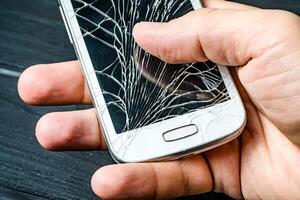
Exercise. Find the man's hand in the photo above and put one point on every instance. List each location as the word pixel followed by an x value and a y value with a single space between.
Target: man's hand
pixel 263 163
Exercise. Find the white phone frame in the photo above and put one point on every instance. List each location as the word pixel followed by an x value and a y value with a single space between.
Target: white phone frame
pixel 216 125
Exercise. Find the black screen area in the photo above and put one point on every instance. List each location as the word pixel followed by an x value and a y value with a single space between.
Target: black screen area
pixel 140 89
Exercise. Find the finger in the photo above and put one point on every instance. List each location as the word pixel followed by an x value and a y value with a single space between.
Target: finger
pixel 75 130
pixel 226 37
pixel 60 83
pixel 221 4
pixel 224 162
pixel 153 180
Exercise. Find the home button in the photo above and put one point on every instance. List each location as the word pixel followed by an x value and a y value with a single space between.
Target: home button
pixel 180 133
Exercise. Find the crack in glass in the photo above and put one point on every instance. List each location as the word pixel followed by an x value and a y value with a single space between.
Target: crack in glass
pixel 140 89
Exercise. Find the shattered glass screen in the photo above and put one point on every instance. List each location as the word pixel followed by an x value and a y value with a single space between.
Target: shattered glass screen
pixel 140 89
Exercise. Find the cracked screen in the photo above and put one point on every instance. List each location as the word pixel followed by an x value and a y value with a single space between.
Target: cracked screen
pixel 140 89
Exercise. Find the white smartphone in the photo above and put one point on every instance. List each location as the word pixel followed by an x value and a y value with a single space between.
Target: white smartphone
pixel 149 110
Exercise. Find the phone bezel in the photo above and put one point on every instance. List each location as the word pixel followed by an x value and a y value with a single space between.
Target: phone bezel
pixel 146 143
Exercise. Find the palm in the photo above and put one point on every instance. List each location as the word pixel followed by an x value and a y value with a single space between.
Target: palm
pixel 265 151
pixel 264 148
pixel 260 152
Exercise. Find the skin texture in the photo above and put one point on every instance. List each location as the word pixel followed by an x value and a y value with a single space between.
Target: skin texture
pixel 263 163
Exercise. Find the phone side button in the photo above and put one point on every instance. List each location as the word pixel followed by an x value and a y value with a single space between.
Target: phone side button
pixel 180 133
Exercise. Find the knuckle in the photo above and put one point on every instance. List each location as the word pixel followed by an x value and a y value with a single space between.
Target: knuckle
pixel 288 16
pixel 286 19
pixel 167 54
pixel 278 29
pixel 186 186
pixel 68 135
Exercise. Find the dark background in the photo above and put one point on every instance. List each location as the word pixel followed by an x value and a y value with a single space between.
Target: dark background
pixel 32 32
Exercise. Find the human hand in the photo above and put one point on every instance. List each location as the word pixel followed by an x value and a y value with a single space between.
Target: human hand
pixel 262 163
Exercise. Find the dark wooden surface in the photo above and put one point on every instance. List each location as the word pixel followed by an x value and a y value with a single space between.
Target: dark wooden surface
pixel 32 32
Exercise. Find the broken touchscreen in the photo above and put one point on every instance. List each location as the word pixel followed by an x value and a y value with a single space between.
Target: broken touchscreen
pixel 140 89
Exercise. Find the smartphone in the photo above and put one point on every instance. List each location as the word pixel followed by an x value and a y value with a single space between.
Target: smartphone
pixel 149 110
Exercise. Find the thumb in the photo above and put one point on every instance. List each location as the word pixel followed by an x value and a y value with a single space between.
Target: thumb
pixel 224 36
